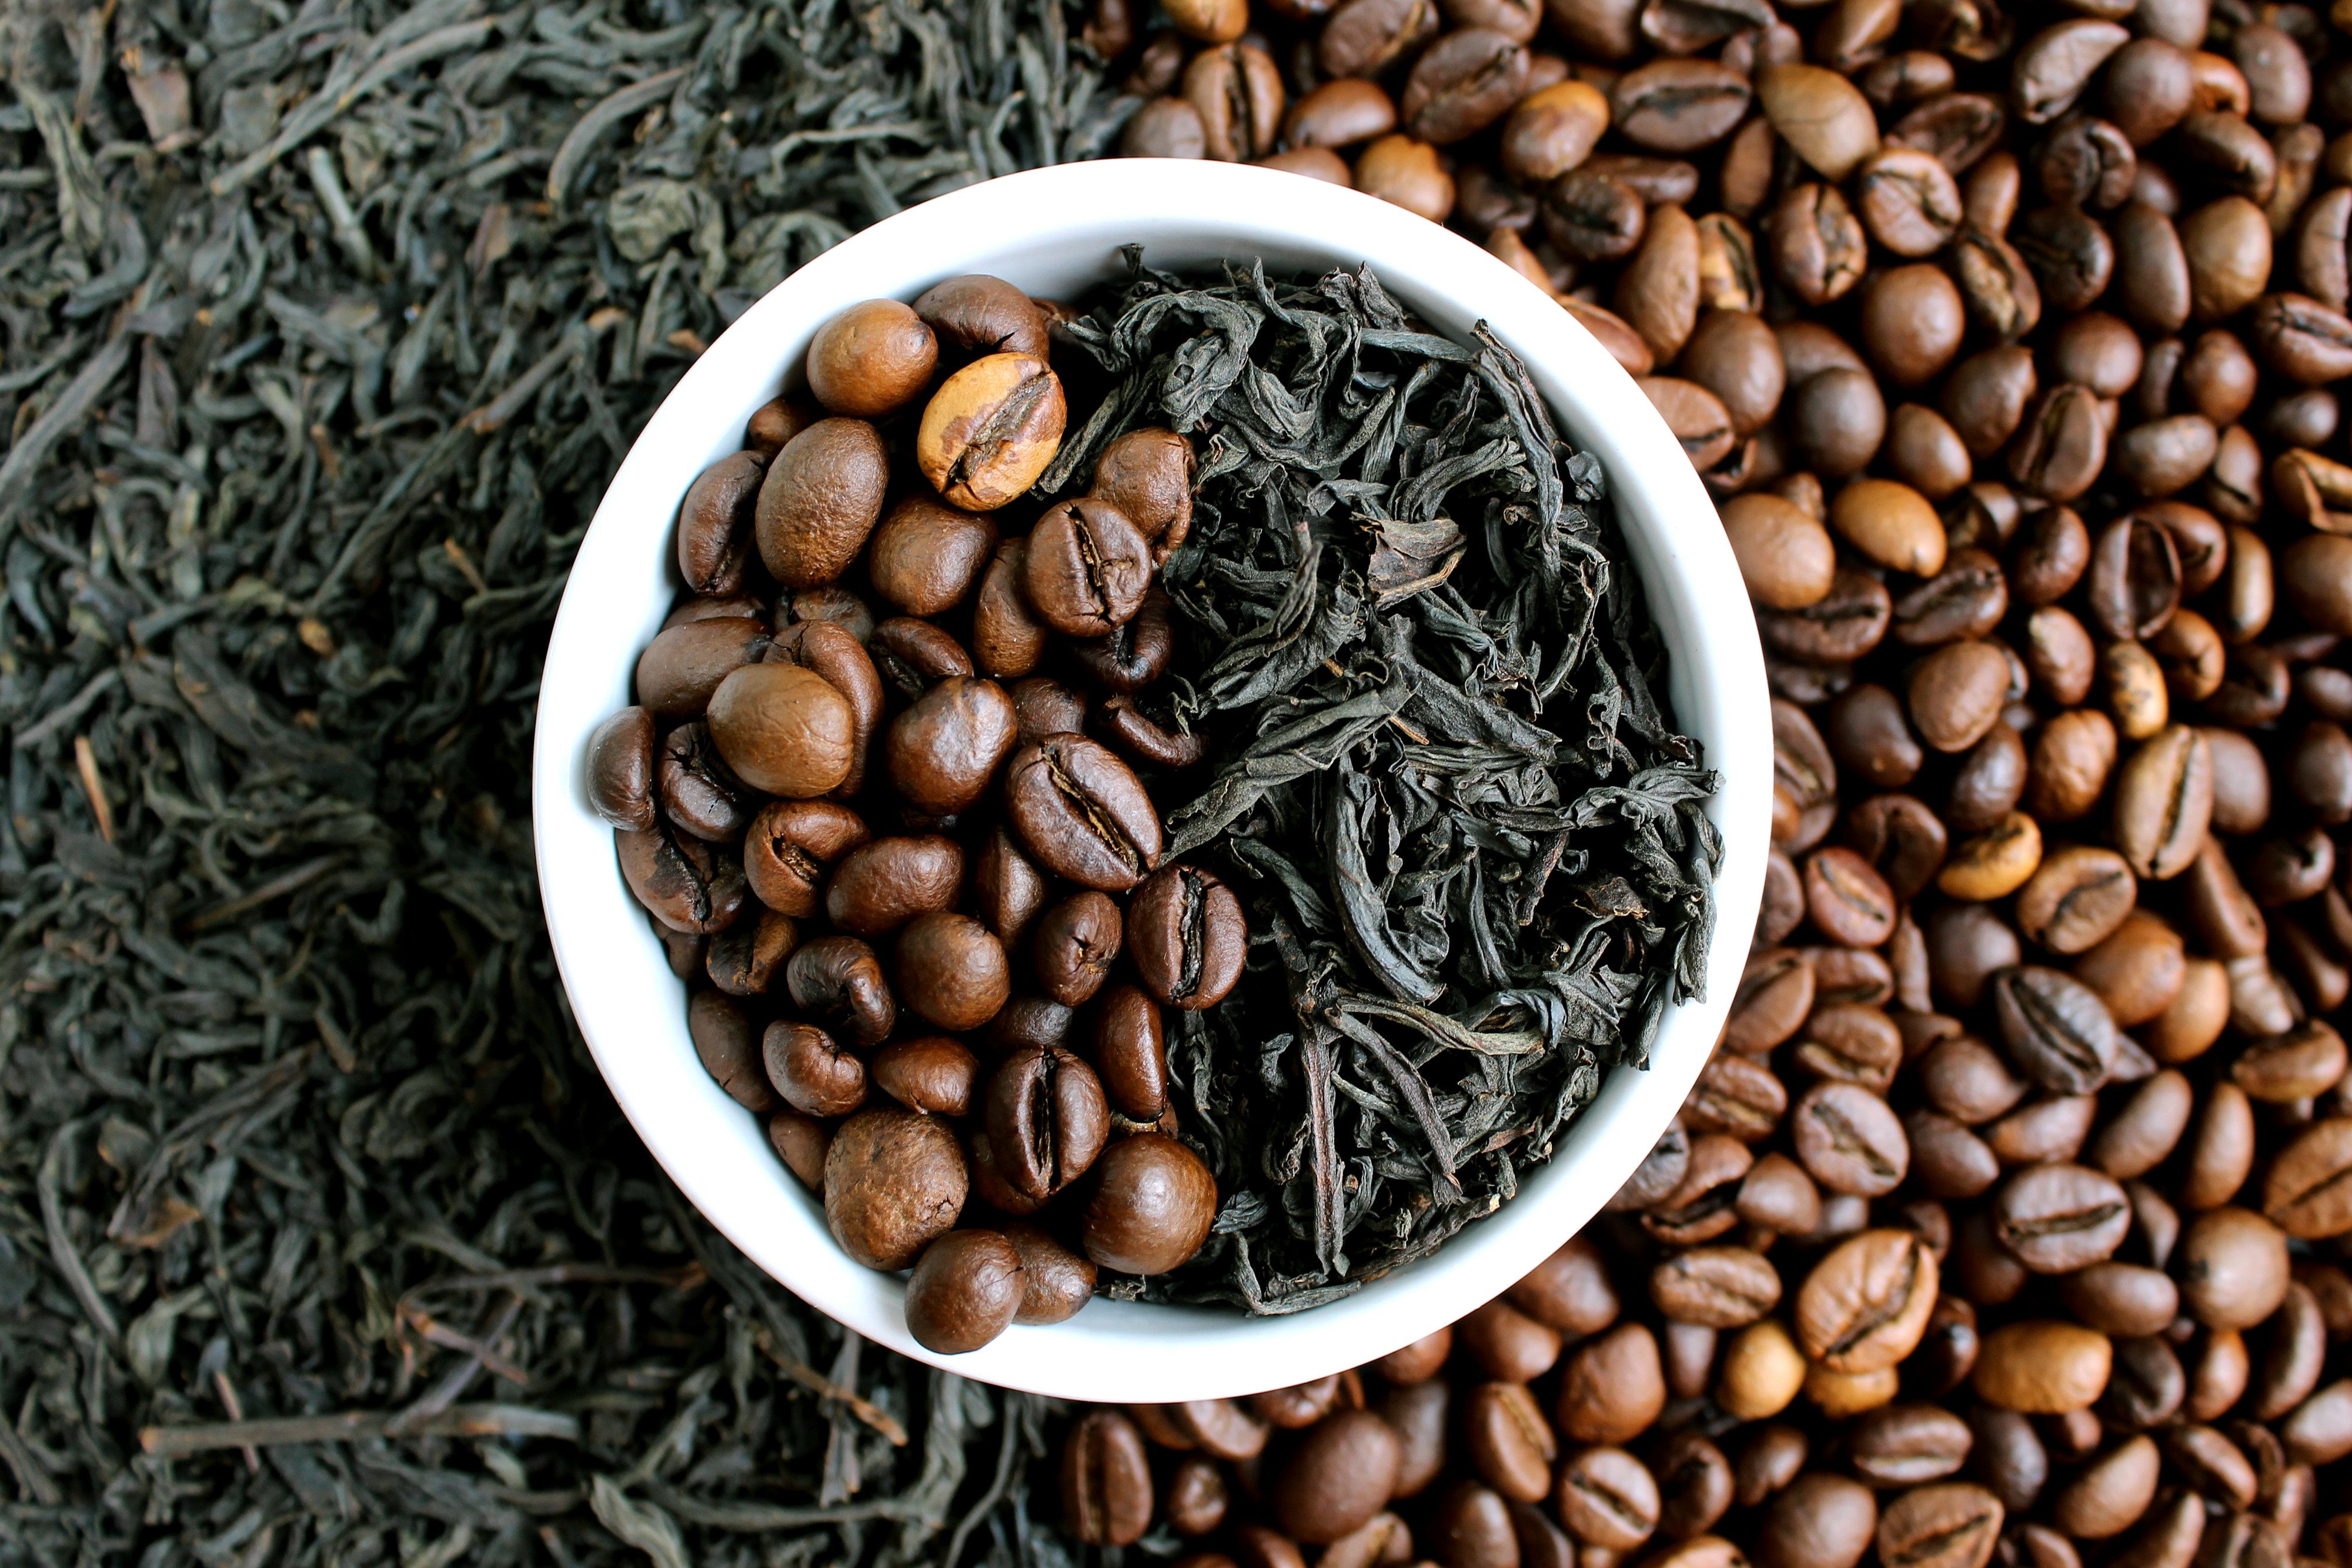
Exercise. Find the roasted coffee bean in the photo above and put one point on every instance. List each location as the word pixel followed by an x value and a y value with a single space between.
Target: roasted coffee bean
pixel 621 769
pixel 839 979
pixel 894 1182
pixel 1612 1387
pixel 2057 1028
pixel 1904 1445
pixel 1046 1120
pixel 950 970
pixel 2232 1268
pixel 1848 1140
pixel 911 655
pixel 1086 568
pixel 727 1044
pixel 977 315
pixel 819 501
pixel 684 664
pixel 1137 653
pixel 1821 1520
pixel 885 882
pixel 1510 1443
pixel 1082 813
pixel 964 1292
pixel 1186 936
pixel 934 1074
pixel 1105 1480
pixel 1076 942
pixel 1008 636
pixel 788 847
pixel 687 884
pixel 1864 1305
pixel 925 557
pixel 2059 1218
pixel 1152 1204
pixel 987 432
pixel 942 754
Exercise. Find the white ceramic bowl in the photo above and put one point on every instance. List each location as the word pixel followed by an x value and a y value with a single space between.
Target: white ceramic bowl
pixel 1053 232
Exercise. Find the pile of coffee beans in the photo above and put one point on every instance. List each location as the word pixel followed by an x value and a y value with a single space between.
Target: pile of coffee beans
pixel 2007 1220
pixel 912 879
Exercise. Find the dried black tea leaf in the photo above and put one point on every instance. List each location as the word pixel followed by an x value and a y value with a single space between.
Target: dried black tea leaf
pixel 322 327
pixel 1472 845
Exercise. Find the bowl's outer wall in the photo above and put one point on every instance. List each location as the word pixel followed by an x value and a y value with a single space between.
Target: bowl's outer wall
pixel 1054 232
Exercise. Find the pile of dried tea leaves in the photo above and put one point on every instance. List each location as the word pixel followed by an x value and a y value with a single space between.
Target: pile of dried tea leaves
pixel 325 324
pixel 1470 843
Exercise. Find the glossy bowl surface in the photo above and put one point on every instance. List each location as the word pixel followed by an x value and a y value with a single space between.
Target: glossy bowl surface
pixel 1053 232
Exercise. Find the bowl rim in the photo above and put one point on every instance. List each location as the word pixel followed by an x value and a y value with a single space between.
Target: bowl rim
pixel 698 1135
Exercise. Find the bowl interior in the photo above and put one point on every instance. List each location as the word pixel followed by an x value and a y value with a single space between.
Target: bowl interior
pixel 1054 232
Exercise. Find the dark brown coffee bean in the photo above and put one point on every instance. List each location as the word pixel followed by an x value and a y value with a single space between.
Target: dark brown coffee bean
pixel 1899 836
pixel 2087 162
pixel 2059 1218
pixel 621 769
pixel 698 792
pixel 1986 396
pixel 964 1292
pixel 1678 105
pixel 1130 1053
pixel 1908 202
pixel 941 753
pixel 1661 1173
pixel 2232 1268
pixel 1613 1387
pixel 1904 1445
pixel 1187 936
pixel 882 885
pixel 2072 257
pixel 911 655
pixel 1087 566
pixel 1590 216
pixel 933 1074
pixel 1105 1480
pixel 894 1182
pixel 715 523
pixel 1821 1520
pixel 1608 1499
pixel 1848 1140
pixel 1464 83
pixel 976 315
pixel 1818 246
pixel 1197 1498
pixel 2057 1028
pixel 1151 1206
pixel 729 1047
pixel 1968 945
pixel 1364 38
pixel 1695 1487
pixel 2306 1191
pixel 784 729
pixel 684 883
pixel 1848 900
pixel 789 846
pixel 1849 622
pixel 1949 1524
pixel 2062 444
pixel 1509 1442
pixel 1046 1120
pixel 1078 940
pixel 684 664
pixel 1864 1305
pixel 1340 113
pixel 746 959
pixel 820 500
pixel 1714 1287
pixel 838 978
pixel 1236 89
pixel 925 557
pixel 1736 1095
pixel 1082 813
